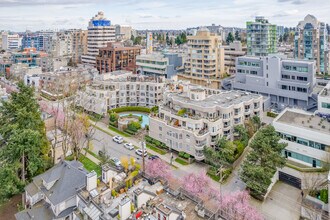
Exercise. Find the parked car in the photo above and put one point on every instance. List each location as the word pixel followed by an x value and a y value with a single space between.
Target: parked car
pixel 129 146
pixel 153 157
pixel 140 152
pixel 118 139
pixel 116 161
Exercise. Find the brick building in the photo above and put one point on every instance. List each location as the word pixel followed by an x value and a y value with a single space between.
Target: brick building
pixel 117 57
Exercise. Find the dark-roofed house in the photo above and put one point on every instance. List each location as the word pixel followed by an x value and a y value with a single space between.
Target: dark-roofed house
pixel 53 194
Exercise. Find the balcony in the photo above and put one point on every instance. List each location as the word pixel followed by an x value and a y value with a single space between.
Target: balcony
pixel 199 157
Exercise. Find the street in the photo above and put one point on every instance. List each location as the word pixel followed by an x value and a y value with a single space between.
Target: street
pixel 102 141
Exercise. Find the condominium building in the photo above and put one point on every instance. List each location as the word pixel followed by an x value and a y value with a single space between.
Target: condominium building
pixel 59 44
pixel 30 56
pixel 205 64
pixel 311 42
pixel 123 32
pixel 100 32
pixel 261 37
pixel 232 51
pixel 164 65
pixel 65 81
pixel 149 43
pixel 34 40
pixel 285 82
pixel 79 45
pixel 115 56
pixel 121 88
pixel 193 117
pixel 11 41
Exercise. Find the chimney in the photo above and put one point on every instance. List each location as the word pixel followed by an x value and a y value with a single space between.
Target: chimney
pixel 91 181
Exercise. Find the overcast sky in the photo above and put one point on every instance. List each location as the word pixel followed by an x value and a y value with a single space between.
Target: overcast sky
pixel 21 15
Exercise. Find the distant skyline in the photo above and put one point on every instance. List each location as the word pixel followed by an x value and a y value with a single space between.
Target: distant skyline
pixel 21 15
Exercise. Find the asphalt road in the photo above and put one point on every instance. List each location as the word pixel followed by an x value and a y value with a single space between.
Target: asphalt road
pixel 102 141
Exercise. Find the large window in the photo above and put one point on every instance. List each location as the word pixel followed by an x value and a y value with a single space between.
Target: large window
pixel 325 105
pixel 303 141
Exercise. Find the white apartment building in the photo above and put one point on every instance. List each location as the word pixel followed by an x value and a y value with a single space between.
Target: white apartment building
pixel 100 32
pixel 193 117
pixel 121 88
pixel 11 41
pixel 308 139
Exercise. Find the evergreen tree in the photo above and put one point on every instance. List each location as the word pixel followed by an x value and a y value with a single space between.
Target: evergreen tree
pixel 237 36
pixel 230 38
pixel 24 153
pixel 262 162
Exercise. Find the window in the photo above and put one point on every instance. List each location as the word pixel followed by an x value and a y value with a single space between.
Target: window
pixel 285 76
pixel 325 105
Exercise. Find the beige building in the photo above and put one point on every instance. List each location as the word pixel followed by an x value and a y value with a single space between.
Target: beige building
pixel 193 117
pixel 79 45
pixel 205 64
pixel 232 51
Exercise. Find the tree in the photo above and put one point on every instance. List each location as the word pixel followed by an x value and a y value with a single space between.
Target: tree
pixel 230 38
pixel 196 184
pixel 137 40
pixel 24 153
pixel 157 168
pixel 242 134
pixel 236 206
pixel 237 36
pixel 125 163
pixel 78 130
pixel 262 162
pixel 132 38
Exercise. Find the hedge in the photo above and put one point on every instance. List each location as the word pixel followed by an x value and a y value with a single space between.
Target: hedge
pixel 184 155
pixel 271 114
pixel 130 109
pixel 155 142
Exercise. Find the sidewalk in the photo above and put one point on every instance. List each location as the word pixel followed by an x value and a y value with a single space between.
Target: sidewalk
pixel 166 157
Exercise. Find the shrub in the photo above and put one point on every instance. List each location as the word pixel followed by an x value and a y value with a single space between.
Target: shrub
pixel 186 156
pixel 324 195
pixel 181 154
pixel 146 127
pixel 114 193
pixel 113 117
pixel 271 114
pixel 181 112
pixel 128 131
pixel 134 126
pixel 239 148
pixel 131 109
pixel 154 109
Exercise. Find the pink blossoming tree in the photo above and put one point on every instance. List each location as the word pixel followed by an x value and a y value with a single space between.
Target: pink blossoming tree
pixel 196 184
pixel 158 168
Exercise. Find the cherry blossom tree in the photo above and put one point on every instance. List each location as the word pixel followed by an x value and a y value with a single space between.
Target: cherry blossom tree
pixel 158 168
pixel 196 184
pixel 235 205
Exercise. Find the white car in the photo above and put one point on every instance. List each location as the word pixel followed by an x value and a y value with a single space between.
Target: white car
pixel 139 152
pixel 118 139
pixel 116 161
pixel 129 146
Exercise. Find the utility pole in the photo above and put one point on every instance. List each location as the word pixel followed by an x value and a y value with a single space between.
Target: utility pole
pixel 143 144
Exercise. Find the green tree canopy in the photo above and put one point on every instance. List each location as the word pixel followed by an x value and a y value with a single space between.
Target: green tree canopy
pixel 24 153
pixel 230 38
pixel 262 162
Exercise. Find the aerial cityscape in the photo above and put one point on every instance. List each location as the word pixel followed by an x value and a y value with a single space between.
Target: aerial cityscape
pixel 164 110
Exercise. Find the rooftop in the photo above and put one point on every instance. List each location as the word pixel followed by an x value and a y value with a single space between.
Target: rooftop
pixel 305 120
pixel 224 98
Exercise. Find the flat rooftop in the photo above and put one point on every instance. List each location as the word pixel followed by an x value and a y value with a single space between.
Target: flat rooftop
pixel 305 120
pixel 325 91
pixel 224 98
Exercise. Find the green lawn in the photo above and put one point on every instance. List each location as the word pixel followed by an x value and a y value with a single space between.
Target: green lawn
pixel 124 134
pixel 93 154
pixel 214 177
pixel 156 149
pixel 90 165
pixel 180 161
